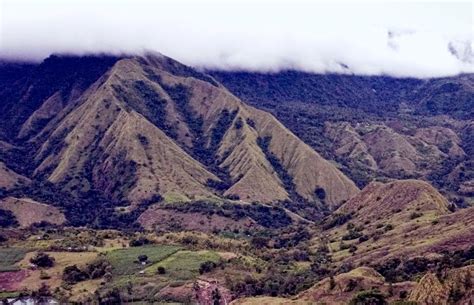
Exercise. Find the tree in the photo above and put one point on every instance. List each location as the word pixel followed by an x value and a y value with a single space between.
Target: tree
pixel 43 260
pixel 72 274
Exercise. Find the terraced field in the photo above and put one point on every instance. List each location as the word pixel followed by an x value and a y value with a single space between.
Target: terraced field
pixel 184 265
pixel 10 256
pixel 124 261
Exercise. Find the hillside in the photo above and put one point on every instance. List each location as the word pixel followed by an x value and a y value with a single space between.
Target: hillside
pixel 398 219
pixel 147 180
pixel 374 126
pixel 136 130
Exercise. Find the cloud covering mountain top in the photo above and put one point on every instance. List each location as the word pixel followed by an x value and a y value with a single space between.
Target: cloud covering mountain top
pixel 421 39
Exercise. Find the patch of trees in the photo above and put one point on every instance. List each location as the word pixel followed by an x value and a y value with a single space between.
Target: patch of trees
pixel 7 219
pixel 97 269
pixel 371 297
pixel 396 270
pixel 139 241
pixel 81 210
pixel 353 232
pixel 207 267
pixel 266 216
pixel 336 220
pixel 43 260
pixel 152 106
pixel 204 146
pixel 274 283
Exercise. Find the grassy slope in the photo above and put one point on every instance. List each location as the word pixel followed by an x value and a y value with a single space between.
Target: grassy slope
pixel 401 218
pixel 123 260
pixel 9 257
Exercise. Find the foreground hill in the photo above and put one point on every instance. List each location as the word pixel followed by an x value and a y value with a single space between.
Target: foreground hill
pixel 135 130
pixel 367 285
pixel 397 219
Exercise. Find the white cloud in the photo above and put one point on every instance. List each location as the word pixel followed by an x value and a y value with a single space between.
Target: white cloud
pixel 250 35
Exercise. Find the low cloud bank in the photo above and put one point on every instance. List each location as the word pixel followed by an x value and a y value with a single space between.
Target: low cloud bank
pixel 399 39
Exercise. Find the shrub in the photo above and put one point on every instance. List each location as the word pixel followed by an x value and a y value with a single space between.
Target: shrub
pixel 43 260
pixel 352 234
pixel 142 258
pixel 259 242
pixel 415 215
pixel 372 297
pixel 320 193
pixel 250 122
pixel 352 249
pixel 336 220
pixel 72 274
pixel 140 241
pixel 161 270
pixel 206 267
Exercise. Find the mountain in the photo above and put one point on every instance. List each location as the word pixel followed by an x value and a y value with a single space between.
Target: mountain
pixel 133 130
pixel 374 127
pixel 139 179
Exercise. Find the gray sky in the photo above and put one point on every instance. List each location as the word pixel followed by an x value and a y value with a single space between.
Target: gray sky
pixel 398 38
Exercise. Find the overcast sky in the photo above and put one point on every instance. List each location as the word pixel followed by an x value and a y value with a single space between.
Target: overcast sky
pixel 396 38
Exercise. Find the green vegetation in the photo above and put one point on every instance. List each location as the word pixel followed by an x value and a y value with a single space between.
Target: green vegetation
pixel 124 261
pixel 264 215
pixel 10 256
pixel 7 219
pixel 42 260
pixel 96 269
pixel 371 297
pixel 184 265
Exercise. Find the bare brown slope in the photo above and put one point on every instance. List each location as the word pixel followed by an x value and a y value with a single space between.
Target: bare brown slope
pixel 9 178
pixel 28 211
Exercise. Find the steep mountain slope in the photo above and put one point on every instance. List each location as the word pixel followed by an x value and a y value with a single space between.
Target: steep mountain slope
pixel 25 87
pixel 377 126
pixel 137 128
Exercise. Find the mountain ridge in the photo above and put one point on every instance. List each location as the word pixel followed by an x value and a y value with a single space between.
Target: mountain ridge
pixel 150 126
